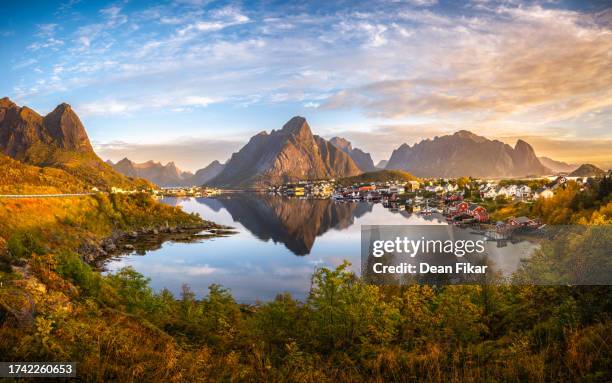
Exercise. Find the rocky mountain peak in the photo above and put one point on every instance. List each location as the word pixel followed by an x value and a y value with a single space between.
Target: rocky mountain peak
pixel 297 126
pixel 362 159
pixel 6 102
pixel 67 129
pixel 341 143
pixel 466 134
pixel 522 146
pixel 289 154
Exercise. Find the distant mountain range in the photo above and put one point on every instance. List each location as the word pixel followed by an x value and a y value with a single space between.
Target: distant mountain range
pixel 289 154
pixel 166 175
pixel 466 154
pixel 57 140
pixel 558 166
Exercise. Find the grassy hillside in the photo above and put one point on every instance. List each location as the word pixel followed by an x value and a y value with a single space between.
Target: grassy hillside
pixel 53 306
pixel 379 176
pixel 85 166
pixel 19 178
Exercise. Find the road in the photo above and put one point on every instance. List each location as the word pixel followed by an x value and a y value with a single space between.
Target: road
pixel 44 195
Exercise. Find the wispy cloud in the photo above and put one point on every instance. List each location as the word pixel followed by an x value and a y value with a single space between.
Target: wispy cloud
pixel 499 69
pixel 486 65
pixel 112 106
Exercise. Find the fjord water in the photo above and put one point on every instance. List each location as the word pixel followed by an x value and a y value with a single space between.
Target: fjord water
pixel 279 243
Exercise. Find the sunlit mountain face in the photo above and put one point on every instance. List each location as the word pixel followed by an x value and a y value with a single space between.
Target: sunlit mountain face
pixel 190 81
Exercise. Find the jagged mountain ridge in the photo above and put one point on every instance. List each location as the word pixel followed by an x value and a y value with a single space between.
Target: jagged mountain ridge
pixel 168 175
pixel 466 154
pixel 56 140
pixel 362 159
pixel 290 154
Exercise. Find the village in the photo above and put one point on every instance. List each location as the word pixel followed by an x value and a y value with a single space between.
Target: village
pixel 463 201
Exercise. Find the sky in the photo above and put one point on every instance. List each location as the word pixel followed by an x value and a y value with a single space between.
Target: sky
pixel 190 81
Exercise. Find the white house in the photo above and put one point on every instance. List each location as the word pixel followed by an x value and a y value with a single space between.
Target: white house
pixel 488 193
pixel 399 189
pixel 543 193
pixel 524 191
pixel 449 188
pixel 434 189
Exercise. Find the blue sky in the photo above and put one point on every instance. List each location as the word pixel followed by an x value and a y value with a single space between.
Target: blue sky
pixel 191 81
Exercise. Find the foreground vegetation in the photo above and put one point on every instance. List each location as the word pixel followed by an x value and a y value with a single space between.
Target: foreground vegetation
pixel 55 307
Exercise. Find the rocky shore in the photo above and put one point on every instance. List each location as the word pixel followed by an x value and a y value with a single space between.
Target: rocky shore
pixel 96 252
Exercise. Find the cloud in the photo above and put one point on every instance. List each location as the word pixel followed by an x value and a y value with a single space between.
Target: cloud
pixel 221 19
pixel 46 30
pixel 51 43
pixel 501 71
pixel 490 67
pixel 422 3
pixel 25 63
pixel 112 106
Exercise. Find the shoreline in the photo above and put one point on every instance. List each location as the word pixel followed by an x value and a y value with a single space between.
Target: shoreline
pixel 120 243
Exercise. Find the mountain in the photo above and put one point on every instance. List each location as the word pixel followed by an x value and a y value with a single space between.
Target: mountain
pixel 362 160
pixel 162 175
pixel 204 175
pixel 166 175
pixel 587 170
pixel 289 154
pixel 466 154
pixel 382 164
pixel 557 166
pixel 56 140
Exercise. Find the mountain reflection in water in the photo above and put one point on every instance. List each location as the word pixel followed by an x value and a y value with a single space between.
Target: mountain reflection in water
pixel 260 261
pixel 294 222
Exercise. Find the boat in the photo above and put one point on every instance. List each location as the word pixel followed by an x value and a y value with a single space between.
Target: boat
pixel 427 211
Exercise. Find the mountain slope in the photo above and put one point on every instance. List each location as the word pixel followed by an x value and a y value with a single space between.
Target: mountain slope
pixel 466 154
pixel 19 178
pixel 56 140
pixel 587 170
pixel 382 164
pixel 204 175
pixel 557 166
pixel 362 160
pixel 289 154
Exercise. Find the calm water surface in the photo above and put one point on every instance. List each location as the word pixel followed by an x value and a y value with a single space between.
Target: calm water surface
pixel 279 243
